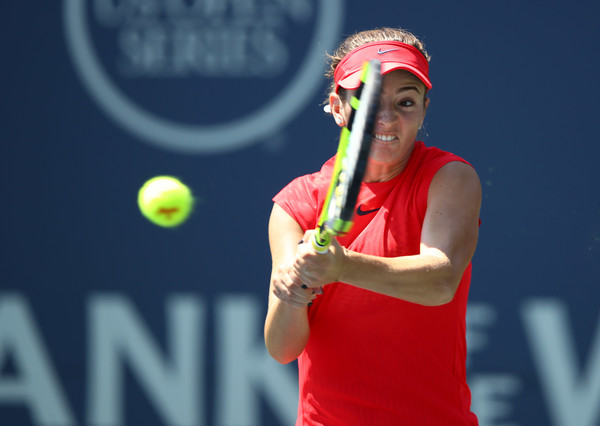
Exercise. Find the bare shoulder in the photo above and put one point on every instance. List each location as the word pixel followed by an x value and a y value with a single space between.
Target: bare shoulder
pixel 456 179
pixel 458 170
pixel 456 192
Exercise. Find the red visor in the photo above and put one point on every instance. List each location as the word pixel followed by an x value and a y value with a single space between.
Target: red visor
pixel 393 55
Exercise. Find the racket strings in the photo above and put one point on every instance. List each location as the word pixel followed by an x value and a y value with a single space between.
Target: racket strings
pixel 353 151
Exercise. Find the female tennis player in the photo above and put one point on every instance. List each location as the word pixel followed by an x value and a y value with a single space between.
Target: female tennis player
pixel 377 324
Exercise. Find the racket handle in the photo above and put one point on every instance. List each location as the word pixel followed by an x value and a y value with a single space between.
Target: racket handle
pixel 321 241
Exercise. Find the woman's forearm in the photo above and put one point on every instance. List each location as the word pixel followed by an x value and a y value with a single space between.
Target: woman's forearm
pixel 286 330
pixel 427 279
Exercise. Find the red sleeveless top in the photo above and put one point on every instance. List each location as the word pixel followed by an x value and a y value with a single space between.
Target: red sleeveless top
pixel 373 359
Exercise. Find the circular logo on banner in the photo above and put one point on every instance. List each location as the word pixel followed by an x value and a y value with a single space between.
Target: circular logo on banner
pixel 201 76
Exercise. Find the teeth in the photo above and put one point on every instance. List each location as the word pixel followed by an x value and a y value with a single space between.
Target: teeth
pixel 385 138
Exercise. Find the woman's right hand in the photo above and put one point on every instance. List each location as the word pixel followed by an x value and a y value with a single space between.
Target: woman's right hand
pixel 288 288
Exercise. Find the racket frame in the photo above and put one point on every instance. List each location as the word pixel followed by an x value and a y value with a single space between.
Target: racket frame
pixel 337 215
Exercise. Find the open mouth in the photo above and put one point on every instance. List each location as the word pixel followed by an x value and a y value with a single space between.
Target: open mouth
pixel 384 138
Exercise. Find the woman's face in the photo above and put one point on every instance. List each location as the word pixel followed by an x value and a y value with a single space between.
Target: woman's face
pixel 401 112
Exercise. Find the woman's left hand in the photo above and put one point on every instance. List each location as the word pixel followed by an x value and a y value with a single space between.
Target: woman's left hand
pixel 318 269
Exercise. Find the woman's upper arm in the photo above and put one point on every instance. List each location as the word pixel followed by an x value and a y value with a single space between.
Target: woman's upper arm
pixel 451 225
pixel 286 328
pixel 284 235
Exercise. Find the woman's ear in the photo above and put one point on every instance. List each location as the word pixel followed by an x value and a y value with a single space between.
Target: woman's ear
pixel 425 106
pixel 335 105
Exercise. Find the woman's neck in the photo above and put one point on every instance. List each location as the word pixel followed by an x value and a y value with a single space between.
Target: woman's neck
pixel 383 172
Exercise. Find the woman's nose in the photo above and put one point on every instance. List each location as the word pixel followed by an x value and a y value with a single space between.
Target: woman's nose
pixel 385 114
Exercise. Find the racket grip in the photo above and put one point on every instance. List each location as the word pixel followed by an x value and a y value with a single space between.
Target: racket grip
pixel 321 241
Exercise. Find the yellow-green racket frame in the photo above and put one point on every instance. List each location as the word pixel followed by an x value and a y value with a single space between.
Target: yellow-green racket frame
pixel 337 216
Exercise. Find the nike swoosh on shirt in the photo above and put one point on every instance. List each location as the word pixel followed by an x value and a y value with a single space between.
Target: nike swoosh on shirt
pixel 361 212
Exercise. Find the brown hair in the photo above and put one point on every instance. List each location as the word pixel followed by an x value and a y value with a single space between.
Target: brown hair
pixel 379 34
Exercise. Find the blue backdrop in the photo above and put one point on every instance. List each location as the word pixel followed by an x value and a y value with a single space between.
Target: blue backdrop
pixel 106 319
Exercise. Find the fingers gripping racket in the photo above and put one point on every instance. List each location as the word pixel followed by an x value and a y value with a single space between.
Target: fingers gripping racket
pixel 351 160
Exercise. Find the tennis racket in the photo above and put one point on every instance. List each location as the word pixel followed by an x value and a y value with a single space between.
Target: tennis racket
pixel 337 216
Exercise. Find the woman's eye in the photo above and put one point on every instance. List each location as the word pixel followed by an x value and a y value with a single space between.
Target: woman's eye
pixel 406 103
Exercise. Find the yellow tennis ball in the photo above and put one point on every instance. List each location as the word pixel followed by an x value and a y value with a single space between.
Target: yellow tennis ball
pixel 165 201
